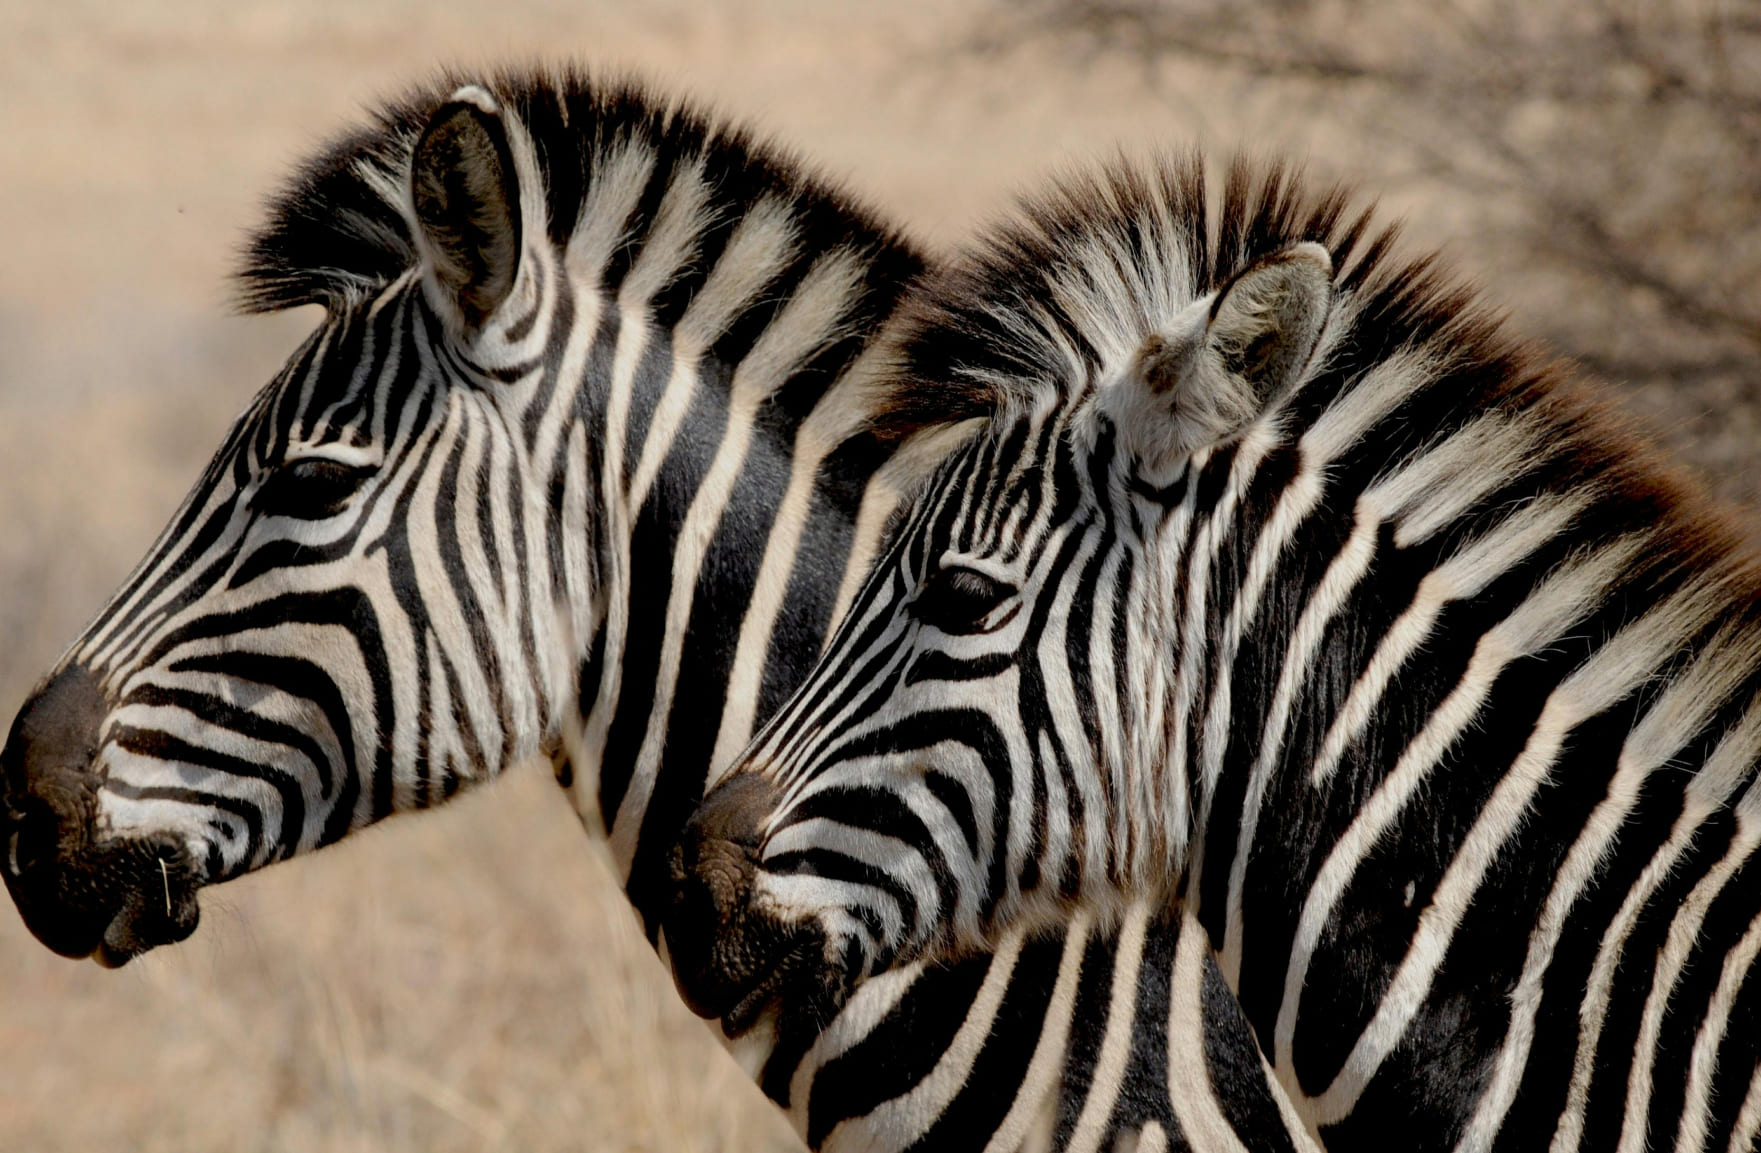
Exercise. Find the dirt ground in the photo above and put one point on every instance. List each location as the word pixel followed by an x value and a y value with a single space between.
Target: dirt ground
pixel 468 980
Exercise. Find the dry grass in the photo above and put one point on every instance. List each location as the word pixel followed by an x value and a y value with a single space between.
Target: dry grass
pixel 469 979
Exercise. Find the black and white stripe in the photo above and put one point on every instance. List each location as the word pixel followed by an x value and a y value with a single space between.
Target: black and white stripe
pixel 383 588
pixel 582 461
pixel 1281 588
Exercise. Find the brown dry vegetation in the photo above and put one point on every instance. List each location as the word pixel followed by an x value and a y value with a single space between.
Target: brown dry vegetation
pixel 470 979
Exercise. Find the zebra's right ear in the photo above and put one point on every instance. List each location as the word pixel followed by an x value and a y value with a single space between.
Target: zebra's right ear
pixel 465 190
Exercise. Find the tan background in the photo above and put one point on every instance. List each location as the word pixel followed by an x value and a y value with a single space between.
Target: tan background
pixel 470 979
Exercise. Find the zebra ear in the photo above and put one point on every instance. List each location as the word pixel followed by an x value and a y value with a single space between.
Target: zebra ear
pixel 466 194
pixel 1221 366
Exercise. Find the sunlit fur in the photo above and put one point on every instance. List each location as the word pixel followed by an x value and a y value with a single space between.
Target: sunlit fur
pixel 1430 693
pixel 279 681
pixel 636 499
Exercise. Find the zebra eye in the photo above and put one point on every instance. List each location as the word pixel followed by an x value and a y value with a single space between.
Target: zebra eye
pixel 957 600
pixel 309 489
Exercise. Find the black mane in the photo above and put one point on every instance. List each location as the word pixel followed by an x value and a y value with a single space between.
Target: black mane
pixel 335 231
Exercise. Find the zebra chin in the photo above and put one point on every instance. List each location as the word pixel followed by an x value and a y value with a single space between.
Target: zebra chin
pixel 731 958
pixel 109 899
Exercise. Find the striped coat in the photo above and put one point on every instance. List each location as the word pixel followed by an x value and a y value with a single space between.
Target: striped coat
pixel 1279 585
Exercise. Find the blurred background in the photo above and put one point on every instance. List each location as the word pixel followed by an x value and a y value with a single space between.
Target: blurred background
pixel 470 980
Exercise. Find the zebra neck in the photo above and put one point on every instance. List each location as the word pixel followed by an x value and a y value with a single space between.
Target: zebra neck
pixel 730 532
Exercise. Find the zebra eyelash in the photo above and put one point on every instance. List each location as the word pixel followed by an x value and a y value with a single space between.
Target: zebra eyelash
pixel 312 488
pixel 958 600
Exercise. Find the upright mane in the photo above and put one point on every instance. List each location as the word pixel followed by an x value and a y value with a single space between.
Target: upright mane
pixel 337 230
pixel 1072 284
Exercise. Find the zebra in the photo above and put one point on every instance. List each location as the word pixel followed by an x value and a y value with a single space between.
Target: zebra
pixel 1284 587
pixel 579 462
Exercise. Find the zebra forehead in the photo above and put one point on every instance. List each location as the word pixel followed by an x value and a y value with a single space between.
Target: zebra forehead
pixel 337 233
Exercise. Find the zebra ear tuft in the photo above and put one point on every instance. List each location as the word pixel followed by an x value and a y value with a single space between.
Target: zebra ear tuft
pixel 1267 321
pixel 1225 361
pixel 466 194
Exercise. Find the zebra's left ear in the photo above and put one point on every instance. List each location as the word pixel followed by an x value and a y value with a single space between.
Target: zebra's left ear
pixel 1227 359
pixel 465 190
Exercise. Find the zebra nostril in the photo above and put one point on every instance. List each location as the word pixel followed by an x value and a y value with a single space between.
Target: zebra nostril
pixel 31 833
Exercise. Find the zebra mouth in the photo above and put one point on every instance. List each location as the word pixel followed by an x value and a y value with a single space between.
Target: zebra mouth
pixel 150 915
pixel 731 961
pixel 110 902
pixel 798 982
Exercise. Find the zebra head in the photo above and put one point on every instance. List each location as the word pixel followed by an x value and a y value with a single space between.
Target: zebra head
pixel 285 665
pixel 938 774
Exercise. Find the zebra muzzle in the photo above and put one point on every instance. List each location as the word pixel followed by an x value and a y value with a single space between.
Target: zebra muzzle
pixel 731 959
pixel 82 897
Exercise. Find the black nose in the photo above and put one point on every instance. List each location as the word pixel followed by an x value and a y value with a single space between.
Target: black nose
pixel 720 948
pixel 80 897
pixel 50 785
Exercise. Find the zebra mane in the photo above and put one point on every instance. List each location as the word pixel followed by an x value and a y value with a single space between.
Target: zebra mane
pixel 336 231
pixel 1081 275
pixel 1084 272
